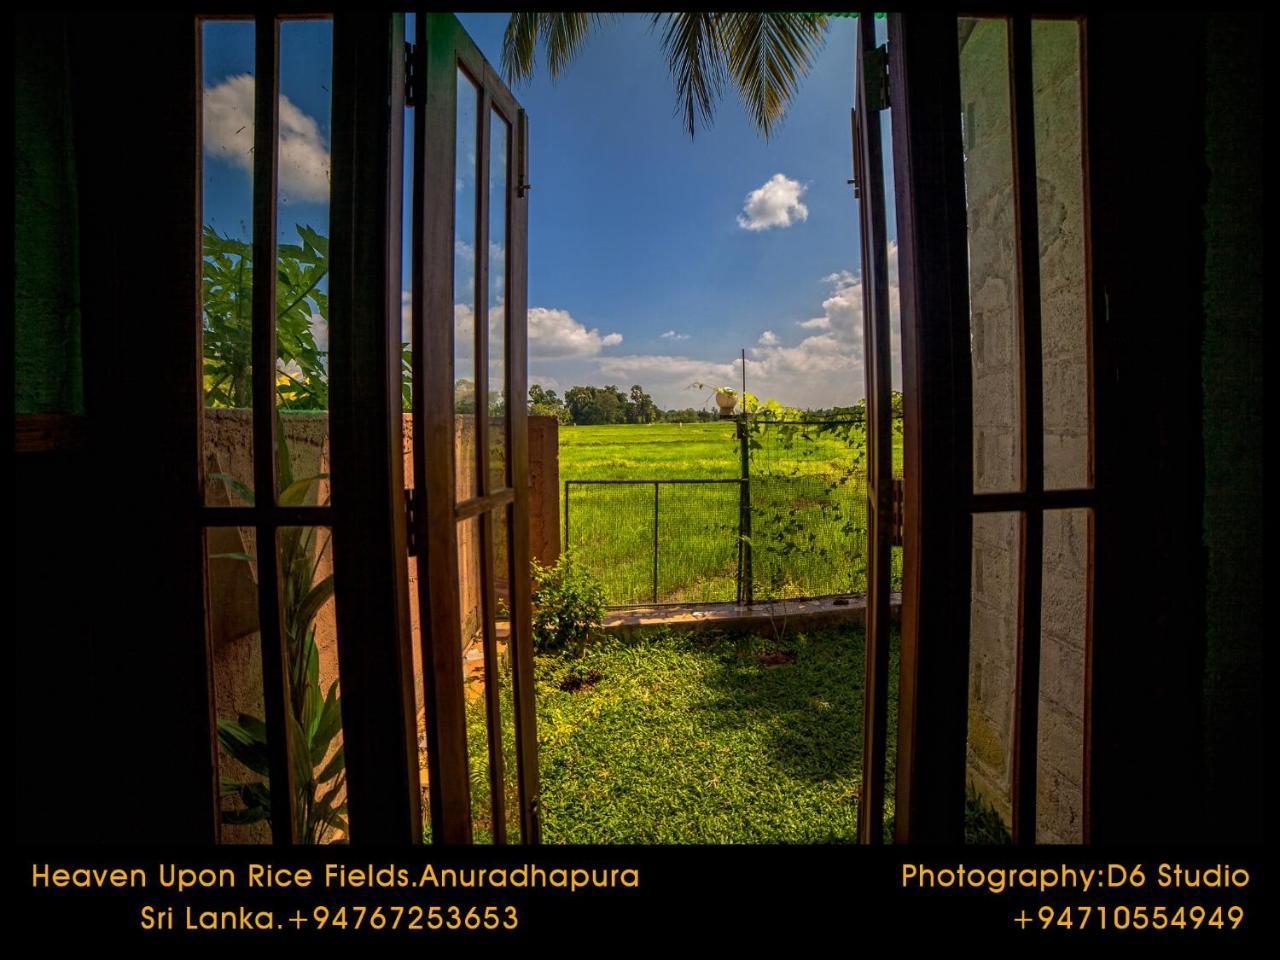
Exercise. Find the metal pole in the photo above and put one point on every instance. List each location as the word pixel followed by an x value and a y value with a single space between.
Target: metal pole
pixel 566 513
pixel 745 587
pixel 655 541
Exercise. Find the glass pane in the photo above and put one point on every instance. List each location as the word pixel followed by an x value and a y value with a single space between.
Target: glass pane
pixel 988 168
pixel 473 675
pixel 231 577
pixel 1064 290
pixel 993 634
pixel 226 167
pixel 498 142
pixel 302 261
pixel 1063 619
pixel 464 289
pixel 311 640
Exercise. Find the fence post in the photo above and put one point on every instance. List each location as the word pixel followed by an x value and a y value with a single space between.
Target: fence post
pixel 655 541
pixel 745 587
pixel 566 514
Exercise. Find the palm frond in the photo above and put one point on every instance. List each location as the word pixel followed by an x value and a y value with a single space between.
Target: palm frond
pixel 768 54
pixel 695 57
pixel 519 45
pixel 564 34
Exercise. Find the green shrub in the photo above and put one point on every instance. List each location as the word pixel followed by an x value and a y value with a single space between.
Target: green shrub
pixel 568 605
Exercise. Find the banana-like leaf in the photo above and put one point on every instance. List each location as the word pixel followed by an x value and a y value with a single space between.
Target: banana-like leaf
pixel 299 755
pixel 315 598
pixel 324 807
pixel 247 557
pixel 244 746
pixel 336 765
pixel 243 492
pixel 329 725
pixel 295 494
pixel 256 728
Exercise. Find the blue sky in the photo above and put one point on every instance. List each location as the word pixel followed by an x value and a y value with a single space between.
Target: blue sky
pixel 653 258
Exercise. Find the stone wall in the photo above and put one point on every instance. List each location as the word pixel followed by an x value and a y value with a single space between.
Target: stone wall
pixel 544 489
pixel 995 349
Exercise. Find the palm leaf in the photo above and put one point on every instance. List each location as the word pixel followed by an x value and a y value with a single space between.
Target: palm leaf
pixel 768 54
pixel 695 57
pixel 564 34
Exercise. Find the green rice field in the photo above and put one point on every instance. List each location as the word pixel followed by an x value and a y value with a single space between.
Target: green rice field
pixel 807 510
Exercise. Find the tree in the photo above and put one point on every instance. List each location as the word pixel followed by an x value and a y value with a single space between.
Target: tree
pixel 641 408
pixel 765 55
pixel 545 403
pixel 596 405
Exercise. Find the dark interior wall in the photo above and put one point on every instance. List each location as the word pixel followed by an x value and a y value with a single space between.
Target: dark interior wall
pixel 1233 403
pixel 110 671
pixel 1175 119
pixel 46 275
pixel 1146 77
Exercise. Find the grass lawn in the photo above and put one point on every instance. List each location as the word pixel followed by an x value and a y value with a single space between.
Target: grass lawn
pixel 808 511
pixel 704 738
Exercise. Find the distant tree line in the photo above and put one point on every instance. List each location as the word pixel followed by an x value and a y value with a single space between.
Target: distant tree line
pixel 589 406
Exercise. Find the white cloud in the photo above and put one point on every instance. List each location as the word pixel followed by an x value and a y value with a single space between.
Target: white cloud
pixel 823 368
pixel 673 335
pixel 228 134
pixel 555 333
pixel 775 204
pixel 320 331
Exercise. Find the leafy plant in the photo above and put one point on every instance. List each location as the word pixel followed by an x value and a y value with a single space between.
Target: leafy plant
pixel 302 365
pixel 568 606
pixel 313 716
pixel 982 824
pixel 780 528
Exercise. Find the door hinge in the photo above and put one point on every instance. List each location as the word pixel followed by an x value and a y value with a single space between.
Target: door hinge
pixel 854 181
pixel 875 76
pixel 410 74
pixel 410 522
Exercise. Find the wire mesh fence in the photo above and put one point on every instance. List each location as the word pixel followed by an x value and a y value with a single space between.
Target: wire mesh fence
pixel 657 541
pixel 792 525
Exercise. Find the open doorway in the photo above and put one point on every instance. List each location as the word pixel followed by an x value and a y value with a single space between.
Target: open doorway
pixel 766 531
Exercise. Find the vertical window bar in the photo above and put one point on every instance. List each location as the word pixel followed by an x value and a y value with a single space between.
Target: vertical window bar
pixel 1026 219
pixel 488 592
pixel 520 641
pixel 879 450
pixel 480 298
pixel 433 430
pixel 933 268
pixel 492 678
pixel 274 656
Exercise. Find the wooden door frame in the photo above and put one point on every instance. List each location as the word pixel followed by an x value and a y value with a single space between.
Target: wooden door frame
pixel 924 83
pixel 443 48
pixel 869 188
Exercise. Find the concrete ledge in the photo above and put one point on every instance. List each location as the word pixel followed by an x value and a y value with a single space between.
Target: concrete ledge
pixel 757 618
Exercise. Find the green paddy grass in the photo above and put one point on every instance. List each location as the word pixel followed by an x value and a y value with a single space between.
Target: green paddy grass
pixel 808 513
